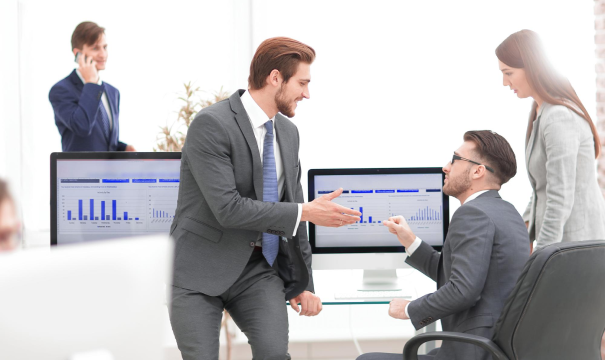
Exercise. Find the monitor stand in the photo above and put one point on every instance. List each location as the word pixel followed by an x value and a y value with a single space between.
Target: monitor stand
pixel 380 280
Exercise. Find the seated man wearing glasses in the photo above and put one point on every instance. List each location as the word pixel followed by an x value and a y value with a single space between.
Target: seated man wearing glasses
pixel 484 252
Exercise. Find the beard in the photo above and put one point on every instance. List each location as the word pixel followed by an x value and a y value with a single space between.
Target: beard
pixel 283 105
pixel 458 185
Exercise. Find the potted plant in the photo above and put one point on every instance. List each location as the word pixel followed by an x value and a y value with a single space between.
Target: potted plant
pixel 172 137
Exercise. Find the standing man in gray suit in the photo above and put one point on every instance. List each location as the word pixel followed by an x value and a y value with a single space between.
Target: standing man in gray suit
pixel 483 255
pixel 241 237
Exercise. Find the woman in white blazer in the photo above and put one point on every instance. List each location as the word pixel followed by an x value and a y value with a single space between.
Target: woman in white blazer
pixel 562 144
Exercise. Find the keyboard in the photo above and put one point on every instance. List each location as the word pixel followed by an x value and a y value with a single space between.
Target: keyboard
pixel 372 295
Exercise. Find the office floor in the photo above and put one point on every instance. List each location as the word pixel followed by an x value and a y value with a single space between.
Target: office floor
pixel 331 350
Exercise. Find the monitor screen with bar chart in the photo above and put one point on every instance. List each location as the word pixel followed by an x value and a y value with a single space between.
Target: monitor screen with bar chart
pixel 97 196
pixel 415 193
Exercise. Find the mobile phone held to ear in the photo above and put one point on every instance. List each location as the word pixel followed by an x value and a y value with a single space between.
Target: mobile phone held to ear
pixel 78 54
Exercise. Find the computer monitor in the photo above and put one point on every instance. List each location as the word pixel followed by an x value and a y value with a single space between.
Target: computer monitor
pixel 415 193
pixel 104 195
pixel 106 298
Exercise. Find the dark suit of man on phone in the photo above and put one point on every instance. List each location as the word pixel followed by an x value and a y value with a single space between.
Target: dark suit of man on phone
pixel 86 108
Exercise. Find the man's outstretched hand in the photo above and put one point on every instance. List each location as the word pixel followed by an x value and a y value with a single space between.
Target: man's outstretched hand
pixel 323 212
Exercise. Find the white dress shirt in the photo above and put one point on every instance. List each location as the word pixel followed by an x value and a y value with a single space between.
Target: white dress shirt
pixel 103 100
pixel 258 118
pixel 410 250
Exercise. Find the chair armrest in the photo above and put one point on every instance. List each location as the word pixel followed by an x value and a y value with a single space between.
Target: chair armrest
pixel 410 351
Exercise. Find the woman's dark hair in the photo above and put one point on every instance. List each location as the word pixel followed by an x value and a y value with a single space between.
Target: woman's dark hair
pixel 524 50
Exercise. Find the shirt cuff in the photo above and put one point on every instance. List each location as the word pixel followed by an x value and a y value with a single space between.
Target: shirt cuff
pixel 410 250
pixel 298 219
pixel 406 310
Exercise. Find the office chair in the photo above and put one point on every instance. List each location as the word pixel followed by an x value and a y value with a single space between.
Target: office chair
pixel 556 310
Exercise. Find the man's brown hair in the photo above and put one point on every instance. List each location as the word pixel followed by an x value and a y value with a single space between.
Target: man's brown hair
pixel 496 152
pixel 278 53
pixel 86 33
pixel 4 193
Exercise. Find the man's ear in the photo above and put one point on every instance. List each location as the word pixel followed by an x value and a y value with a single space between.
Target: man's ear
pixel 76 50
pixel 480 172
pixel 274 79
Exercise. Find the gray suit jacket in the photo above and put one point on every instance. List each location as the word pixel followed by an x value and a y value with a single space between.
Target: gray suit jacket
pixel 220 212
pixel 484 253
pixel 566 204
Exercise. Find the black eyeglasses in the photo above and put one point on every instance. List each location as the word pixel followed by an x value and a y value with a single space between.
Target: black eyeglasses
pixel 456 157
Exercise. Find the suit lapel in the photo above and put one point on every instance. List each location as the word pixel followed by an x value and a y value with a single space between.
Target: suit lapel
pixel 530 144
pixel 285 140
pixel 75 79
pixel 244 124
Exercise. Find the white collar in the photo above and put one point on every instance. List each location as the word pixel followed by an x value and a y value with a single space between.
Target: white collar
pixel 257 116
pixel 474 196
pixel 84 82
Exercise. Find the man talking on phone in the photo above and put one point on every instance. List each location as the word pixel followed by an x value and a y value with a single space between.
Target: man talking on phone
pixel 86 108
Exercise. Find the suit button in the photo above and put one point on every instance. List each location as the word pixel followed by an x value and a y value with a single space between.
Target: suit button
pixel 430 318
pixel 252 244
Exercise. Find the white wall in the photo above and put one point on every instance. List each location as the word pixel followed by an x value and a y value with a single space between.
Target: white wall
pixel 154 47
pixel 10 124
pixel 397 83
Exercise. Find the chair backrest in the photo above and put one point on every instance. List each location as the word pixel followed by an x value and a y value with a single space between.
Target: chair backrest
pixel 557 308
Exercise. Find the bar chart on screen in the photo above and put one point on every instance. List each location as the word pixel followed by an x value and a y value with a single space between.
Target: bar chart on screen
pixel 422 209
pixel 161 207
pixel 126 207
pixel 103 210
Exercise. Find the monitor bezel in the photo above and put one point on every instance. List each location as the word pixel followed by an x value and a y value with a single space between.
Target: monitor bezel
pixel 109 155
pixel 373 171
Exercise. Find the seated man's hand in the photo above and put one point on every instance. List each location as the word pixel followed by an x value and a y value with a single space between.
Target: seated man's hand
pixel 309 302
pixel 130 148
pixel 397 309
pixel 323 212
pixel 398 226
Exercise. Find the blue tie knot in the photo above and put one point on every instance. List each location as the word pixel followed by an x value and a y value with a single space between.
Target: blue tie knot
pixel 269 126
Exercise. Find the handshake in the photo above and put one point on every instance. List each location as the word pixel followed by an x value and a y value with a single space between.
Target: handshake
pixel 323 212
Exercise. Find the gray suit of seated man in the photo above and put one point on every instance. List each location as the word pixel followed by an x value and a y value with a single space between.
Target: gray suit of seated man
pixel 484 252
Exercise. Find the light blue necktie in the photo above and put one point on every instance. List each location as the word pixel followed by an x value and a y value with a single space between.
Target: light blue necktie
pixel 104 119
pixel 270 193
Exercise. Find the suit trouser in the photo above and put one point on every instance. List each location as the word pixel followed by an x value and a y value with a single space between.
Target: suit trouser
pixel 256 302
